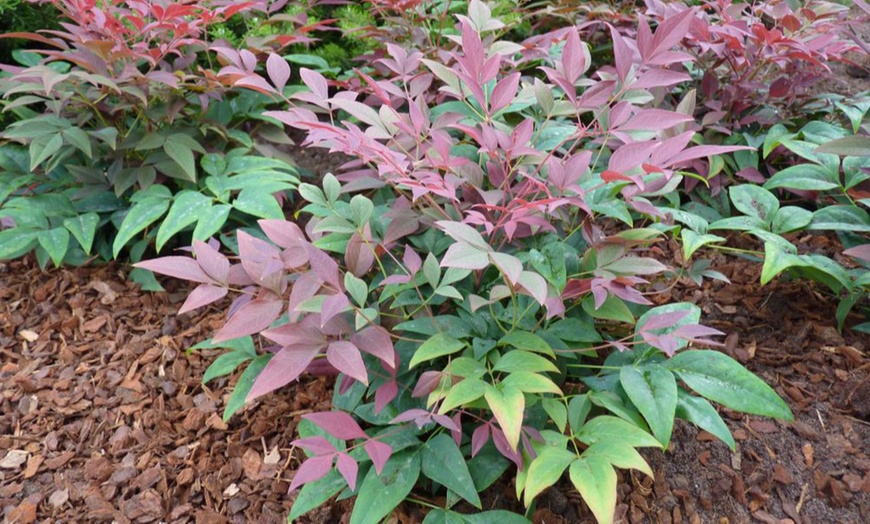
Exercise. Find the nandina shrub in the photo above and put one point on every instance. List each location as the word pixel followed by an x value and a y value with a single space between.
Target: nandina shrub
pixel 475 279
pixel 755 63
pixel 124 140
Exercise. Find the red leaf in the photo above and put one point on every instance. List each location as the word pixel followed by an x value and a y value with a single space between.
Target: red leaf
pixel 283 368
pixel 279 71
pixel 376 341
pixel 379 453
pixel 337 423
pixel 479 438
pixel 253 317
pixel 426 384
pixel 671 31
pixel 611 176
pixel 573 57
pixel 347 359
pixel 314 468
pixel 202 295
pixel 183 268
pixel 348 468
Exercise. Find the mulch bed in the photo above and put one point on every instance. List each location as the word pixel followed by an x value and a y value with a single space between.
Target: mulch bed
pixel 103 417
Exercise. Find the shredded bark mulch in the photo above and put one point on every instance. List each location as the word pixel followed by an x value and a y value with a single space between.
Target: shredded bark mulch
pixel 103 416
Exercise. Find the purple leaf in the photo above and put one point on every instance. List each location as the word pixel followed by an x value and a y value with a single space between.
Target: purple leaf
pixel 426 384
pixel 359 256
pixel 379 453
pixel 212 261
pixel 446 422
pixel 294 334
pixel 622 54
pixel 385 394
pixel 663 320
pixel 262 261
pixel 503 447
pixel 504 92
pixel 305 287
pixel 333 305
pixel 283 368
pixel 255 83
pixel 479 438
pixel 317 445
pixel 376 341
pixel 253 317
pixel 631 156
pixel 279 71
pixel 412 260
pixel 315 82
pixel 573 57
pixel 696 331
pixel 314 468
pixel 416 414
pixel 202 295
pixel 336 423
pixel 183 268
pixel 348 468
pixel 324 266
pixel 655 120
pixel 395 279
pixel 671 31
pixel 346 358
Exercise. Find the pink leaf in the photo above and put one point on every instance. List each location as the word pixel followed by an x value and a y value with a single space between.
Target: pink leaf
pixel 336 423
pixel 279 71
pixel 861 252
pixel 631 156
pixel 253 317
pixel 359 256
pixel 696 331
pixel 305 287
pixel 379 453
pixel 446 422
pixel 655 120
pixel 348 468
pixel 385 394
pixel 255 83
pixel 426 384
pixel 503 447
pixel 573 57
pixel 663 320
pixel 183 268
pixel 212 261
pixel 282 232
pixel 376 341
pixel 202 295
pixel 671 31
pixel 412 260
pixel 314 468
pixel 294 334
pixel 283 368
pixel 333 305
pixel 621 54
pixel 504 92
pixel 316 445
pixel 323 265
pixel 347 359
pixel 315 82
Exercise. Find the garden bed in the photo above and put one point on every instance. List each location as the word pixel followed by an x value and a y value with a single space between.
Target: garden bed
pixel 104 417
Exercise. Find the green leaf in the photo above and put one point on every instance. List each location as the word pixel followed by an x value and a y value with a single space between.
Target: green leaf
pixel 653 390
pixel 776 260
pixel 243 386
pixel 620 455
pixel 507 406
pixel 693 241
pixel 181 153
pixel 55 242
pixel 145 279
pixel 578 409
pixel 528 382
pixel 519 360
pixel 461 394
pixel 140 216
pixel 186 209
pixel 361 209
pixel 722 379
pixel 527 341
pixel 841 218
pixel 315 494
pixel 437 346
pixel 702 414
pixel 595 479
pixel 807 177
pixel 83 228
pixel 225 364
pixel 606 428
pixel 357 288
pixel 431 270
pixel 443 462
pixel 79 139
pixel 307 60
pixel 557 412
pixel 790 218
pixel 380 494
pixel 211 221
pixel 44 147
pixel 545 470
pixel 613 308
pixel 443 516
pixel 754 201
pixel 847 146
pixel 258 204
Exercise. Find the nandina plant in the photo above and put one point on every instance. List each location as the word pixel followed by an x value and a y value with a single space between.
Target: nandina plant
pixel 124 140
pixel 475 279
